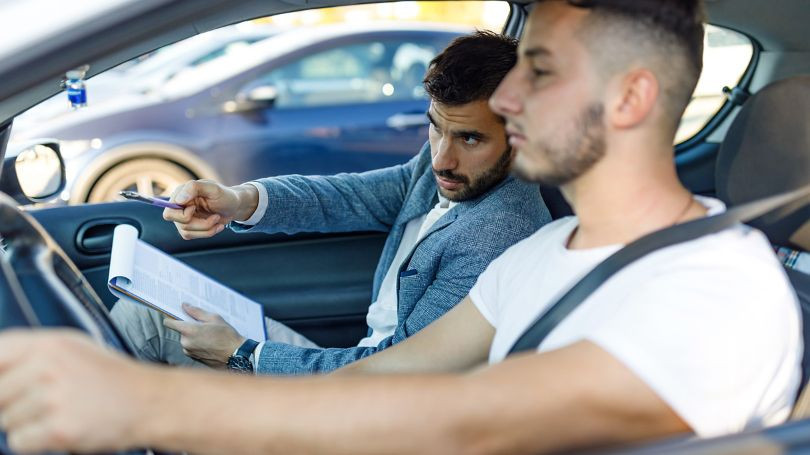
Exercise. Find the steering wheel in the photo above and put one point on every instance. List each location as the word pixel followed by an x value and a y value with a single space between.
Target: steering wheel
pixel 41 287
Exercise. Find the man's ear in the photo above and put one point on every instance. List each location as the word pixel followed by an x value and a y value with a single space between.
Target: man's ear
pixel 634 98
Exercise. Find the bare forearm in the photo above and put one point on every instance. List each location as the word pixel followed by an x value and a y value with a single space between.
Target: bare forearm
pixel 511 407
pixel 58 398
pixel 457 342
pixel 220 413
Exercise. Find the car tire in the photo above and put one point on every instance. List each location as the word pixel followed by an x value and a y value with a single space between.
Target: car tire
pixel 148 176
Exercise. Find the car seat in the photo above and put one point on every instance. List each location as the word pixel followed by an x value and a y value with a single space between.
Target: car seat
pixel 767 151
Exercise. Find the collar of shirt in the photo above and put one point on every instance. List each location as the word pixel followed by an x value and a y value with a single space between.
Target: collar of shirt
pixel 445 203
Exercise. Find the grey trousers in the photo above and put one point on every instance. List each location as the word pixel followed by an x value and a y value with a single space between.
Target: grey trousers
pixel 143 328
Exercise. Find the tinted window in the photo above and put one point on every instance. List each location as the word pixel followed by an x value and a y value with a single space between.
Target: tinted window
pixel 359 73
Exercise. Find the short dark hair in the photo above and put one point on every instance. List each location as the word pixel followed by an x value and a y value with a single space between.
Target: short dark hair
pixel 470 68
pixel 669 33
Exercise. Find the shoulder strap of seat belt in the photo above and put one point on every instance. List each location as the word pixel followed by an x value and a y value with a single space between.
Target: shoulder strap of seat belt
pixel 774 208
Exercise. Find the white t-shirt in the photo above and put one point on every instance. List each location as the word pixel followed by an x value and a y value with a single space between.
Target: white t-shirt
pixel 712 325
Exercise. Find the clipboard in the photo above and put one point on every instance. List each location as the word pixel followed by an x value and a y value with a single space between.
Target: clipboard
pixel 141 273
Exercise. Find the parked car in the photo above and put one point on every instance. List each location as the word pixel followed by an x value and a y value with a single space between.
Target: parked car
pixel 318 284
pixel 315 101
pixel 149 71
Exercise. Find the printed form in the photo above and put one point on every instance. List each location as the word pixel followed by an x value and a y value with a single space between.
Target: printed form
pixel 140 272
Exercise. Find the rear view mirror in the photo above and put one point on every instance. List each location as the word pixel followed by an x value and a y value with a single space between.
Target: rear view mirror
pixel 35 174
pixel 257 98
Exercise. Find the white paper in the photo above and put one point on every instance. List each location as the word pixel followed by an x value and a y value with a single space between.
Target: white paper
pixel 122 258
pixel 141 272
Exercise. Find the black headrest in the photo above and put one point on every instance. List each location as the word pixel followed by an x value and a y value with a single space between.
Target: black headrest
pixel 767 150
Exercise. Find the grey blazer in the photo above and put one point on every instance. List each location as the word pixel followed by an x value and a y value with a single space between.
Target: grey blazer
pixel 441 268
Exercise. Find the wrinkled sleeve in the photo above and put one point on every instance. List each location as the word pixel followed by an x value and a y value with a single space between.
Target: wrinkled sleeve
pixel 368 201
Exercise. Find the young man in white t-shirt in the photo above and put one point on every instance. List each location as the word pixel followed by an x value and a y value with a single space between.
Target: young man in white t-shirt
pixel 702 337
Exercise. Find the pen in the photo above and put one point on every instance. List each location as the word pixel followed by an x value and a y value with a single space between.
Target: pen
pixel 133 196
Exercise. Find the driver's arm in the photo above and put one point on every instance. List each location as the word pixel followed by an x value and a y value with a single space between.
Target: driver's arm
pixel 59 391
pixel 457 341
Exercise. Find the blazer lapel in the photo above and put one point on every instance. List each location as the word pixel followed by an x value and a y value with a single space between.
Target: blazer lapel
pixel 451 215
pixel 441 223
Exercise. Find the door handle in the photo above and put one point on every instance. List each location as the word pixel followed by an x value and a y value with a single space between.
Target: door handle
pixel 96 236
pixel 402 121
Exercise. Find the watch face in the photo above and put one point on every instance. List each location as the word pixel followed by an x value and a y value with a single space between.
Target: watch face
pixel 240 364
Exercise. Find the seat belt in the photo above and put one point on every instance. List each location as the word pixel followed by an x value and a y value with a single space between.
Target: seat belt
pixel 801 409
pixel 770 209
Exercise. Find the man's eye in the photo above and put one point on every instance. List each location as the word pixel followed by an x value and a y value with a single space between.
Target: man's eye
pixel 470 140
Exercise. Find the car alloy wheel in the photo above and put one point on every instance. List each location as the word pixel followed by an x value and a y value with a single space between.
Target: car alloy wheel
pixel 148 176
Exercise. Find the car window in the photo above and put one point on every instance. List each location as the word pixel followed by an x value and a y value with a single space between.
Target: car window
pixel 345 95
pixel 726 56
pixel 226 49
pixel 358 73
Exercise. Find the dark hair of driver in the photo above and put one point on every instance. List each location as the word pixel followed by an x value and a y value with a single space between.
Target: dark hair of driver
pixel 665 33
pixel 681 19
pixel 470 68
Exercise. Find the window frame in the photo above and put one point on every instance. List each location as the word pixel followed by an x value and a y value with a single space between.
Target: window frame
pixel 727 107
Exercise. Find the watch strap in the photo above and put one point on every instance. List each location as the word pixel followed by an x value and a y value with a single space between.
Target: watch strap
pixel 247 348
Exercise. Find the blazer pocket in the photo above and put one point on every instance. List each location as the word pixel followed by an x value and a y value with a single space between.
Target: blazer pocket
pixel 410 281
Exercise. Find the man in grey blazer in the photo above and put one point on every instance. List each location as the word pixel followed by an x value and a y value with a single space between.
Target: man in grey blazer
pixel 449 212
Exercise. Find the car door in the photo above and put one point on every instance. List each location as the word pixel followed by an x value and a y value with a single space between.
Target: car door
pixel 350 105
pixel 317 284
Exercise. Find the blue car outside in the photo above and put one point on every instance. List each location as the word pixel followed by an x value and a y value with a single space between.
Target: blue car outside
pixel 317 101
pixel 147 71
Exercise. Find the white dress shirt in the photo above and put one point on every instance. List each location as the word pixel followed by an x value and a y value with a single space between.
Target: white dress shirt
pixel 382 313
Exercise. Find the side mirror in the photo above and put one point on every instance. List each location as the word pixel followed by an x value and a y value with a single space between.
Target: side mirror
pixel 257 98
pixel 35 174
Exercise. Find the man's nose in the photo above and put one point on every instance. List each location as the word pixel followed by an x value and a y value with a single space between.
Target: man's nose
pixel 445 157
pixel 506 100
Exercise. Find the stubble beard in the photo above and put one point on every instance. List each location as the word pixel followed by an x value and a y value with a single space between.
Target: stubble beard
pixel 581 151
pixel 483 182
